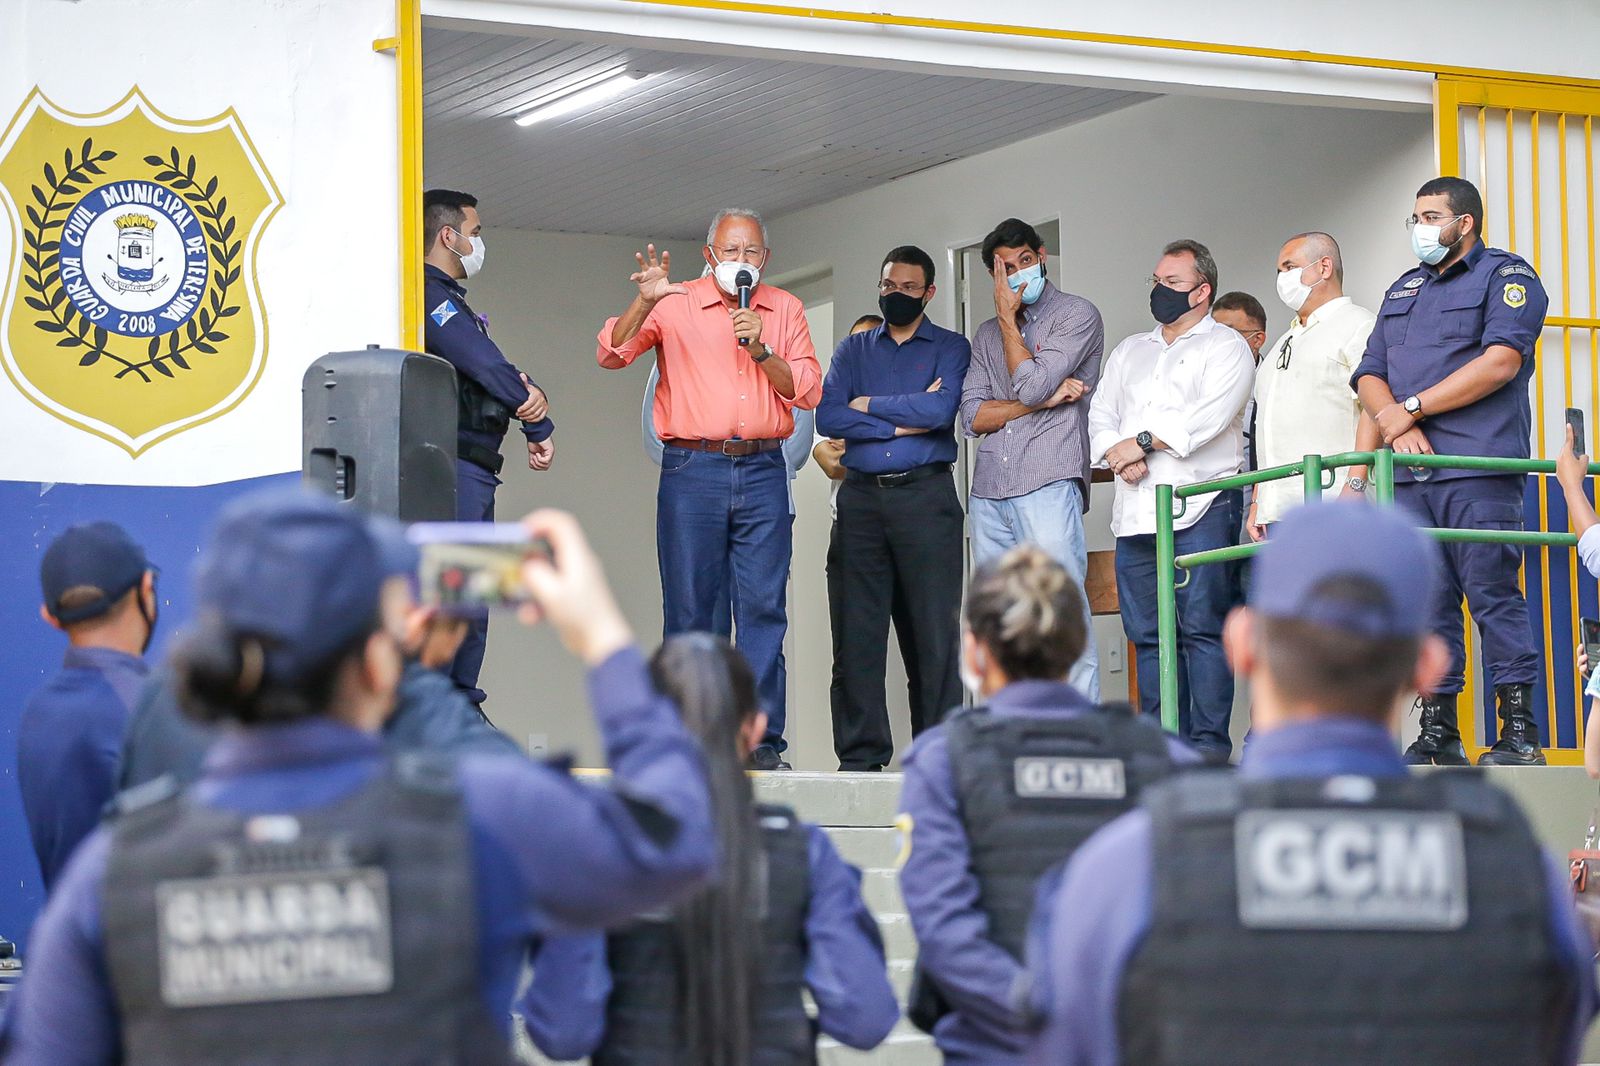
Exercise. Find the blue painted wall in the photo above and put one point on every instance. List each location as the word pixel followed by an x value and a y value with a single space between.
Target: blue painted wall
pixel 171 523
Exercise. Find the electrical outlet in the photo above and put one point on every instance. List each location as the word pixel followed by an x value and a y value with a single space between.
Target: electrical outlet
pixel 538 743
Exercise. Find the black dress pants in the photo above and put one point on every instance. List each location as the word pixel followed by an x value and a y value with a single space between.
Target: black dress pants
pixel 893 547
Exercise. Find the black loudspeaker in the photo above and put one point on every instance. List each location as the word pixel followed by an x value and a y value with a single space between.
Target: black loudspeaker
pixel 379 430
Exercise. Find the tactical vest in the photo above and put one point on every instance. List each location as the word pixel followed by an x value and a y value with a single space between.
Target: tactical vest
pixel 342 935
pixel 1031 789
pixel 1343 920
pixel 477 410
pixel 643 1016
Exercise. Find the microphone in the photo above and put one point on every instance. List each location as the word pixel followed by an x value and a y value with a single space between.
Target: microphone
pixel 745 281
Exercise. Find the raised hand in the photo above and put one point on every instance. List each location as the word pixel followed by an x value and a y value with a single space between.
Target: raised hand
pixel 1007 301
pixel 651 277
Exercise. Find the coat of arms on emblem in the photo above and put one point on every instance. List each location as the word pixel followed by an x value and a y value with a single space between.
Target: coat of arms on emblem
pixel 131 305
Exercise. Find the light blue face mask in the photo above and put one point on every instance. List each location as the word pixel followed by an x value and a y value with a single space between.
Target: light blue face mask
pixel 1030 280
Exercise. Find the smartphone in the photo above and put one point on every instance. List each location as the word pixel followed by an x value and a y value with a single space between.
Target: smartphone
pixel 471 568
pixel 1590 628
pixel 1575 420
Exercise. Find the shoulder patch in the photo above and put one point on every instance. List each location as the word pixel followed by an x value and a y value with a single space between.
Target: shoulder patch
pixel 1401 294
pixel 903 824
pixel 1414 283
pixel 443 313
pixel 1514 295
pixel 1517 268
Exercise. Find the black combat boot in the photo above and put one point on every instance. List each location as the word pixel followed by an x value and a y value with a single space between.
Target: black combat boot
pixel 1439 743
pixel 1519 736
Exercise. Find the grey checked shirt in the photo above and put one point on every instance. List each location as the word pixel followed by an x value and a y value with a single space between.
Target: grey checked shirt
pixel 1066 337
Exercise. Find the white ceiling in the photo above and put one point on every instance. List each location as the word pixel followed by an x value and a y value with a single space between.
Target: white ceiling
pixel 702 132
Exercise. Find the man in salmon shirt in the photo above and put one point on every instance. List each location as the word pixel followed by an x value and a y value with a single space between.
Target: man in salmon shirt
pixel 731 377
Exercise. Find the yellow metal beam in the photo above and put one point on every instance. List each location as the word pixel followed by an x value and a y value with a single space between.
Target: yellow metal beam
pixel 406 47
pixel 873 18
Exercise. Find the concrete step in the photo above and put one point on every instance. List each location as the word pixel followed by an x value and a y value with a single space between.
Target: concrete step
pixel 833 799
pixel 881 890
pixel 907 1047
pixel 867 847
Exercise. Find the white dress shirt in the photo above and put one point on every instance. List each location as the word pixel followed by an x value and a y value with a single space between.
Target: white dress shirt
pixel 1308 406
pixel 833 483
pixel 1190 395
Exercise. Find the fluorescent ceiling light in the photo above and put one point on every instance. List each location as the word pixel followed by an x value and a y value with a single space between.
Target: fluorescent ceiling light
pixel 583 95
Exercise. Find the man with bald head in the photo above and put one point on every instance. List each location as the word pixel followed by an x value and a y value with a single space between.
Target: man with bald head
pixel 736 362
pixel 1304 403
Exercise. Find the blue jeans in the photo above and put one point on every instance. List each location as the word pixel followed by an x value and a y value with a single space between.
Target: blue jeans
pixel 1205 684
pixel 1052 518
pixel 723 521
pixel 474 503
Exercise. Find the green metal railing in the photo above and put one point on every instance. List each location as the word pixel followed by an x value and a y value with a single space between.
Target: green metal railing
pixel 1317 472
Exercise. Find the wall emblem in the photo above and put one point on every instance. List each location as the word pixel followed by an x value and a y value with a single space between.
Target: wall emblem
pixel 132 309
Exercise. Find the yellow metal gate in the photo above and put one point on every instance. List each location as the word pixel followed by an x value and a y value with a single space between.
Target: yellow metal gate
pixel 1530 150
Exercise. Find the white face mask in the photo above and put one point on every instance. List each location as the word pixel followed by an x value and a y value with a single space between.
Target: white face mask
pixel 472 262
pixel 1425 242
pixel 1292 289
pixel 727 275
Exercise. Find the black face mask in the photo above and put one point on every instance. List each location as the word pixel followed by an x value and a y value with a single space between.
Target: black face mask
pixel 151 613
pixel 1168 305
pixel 899 309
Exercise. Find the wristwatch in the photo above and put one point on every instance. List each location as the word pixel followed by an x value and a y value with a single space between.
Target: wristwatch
pixel 1413 406
pixel 1145 441
pixel 764 354
pixel 1357 483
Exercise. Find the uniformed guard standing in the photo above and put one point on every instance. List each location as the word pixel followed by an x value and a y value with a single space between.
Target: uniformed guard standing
pixel 490 390
pixel 1322 906
pixel 310 900
pixel 1446 371
pixel 997 794
pixel 719 981
pixel 100 591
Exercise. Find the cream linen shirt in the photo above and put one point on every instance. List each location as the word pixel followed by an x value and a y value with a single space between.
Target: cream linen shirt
pixel 1190 395
pixel 1308 407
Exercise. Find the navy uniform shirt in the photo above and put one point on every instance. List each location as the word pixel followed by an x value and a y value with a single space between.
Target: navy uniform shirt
pixel 1433 323
pixel 1092 917
pixel 565 1006
pixel 68 740
pixel 941 892
pixel 897 377
pixel 452 331
pixel 549 854
pixel 431 713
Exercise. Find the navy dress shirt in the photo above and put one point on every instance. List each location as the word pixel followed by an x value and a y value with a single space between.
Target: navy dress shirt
pixel 896 377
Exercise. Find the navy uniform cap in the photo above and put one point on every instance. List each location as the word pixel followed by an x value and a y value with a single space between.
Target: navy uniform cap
pixel 1317 544
pixel 300 571
pixel 93 555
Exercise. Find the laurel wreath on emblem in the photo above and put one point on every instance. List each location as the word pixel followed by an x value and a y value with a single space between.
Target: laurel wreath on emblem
pixel 55 201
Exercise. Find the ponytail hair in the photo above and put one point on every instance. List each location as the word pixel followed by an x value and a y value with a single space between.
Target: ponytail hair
pixel 1029 613
pixel 719 930
pixel 226 675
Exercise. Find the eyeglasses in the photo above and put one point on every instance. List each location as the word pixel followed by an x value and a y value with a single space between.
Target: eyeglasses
pixel 1432 218
pixel 910 288
pixel 754 253
pixel 1152 281
pixel 1285 353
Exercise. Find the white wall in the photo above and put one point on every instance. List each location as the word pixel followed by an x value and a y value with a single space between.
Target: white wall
pixel 546 295
pixel 1238 176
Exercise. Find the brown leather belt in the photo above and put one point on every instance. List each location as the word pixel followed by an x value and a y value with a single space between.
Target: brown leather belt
pixel 735 448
